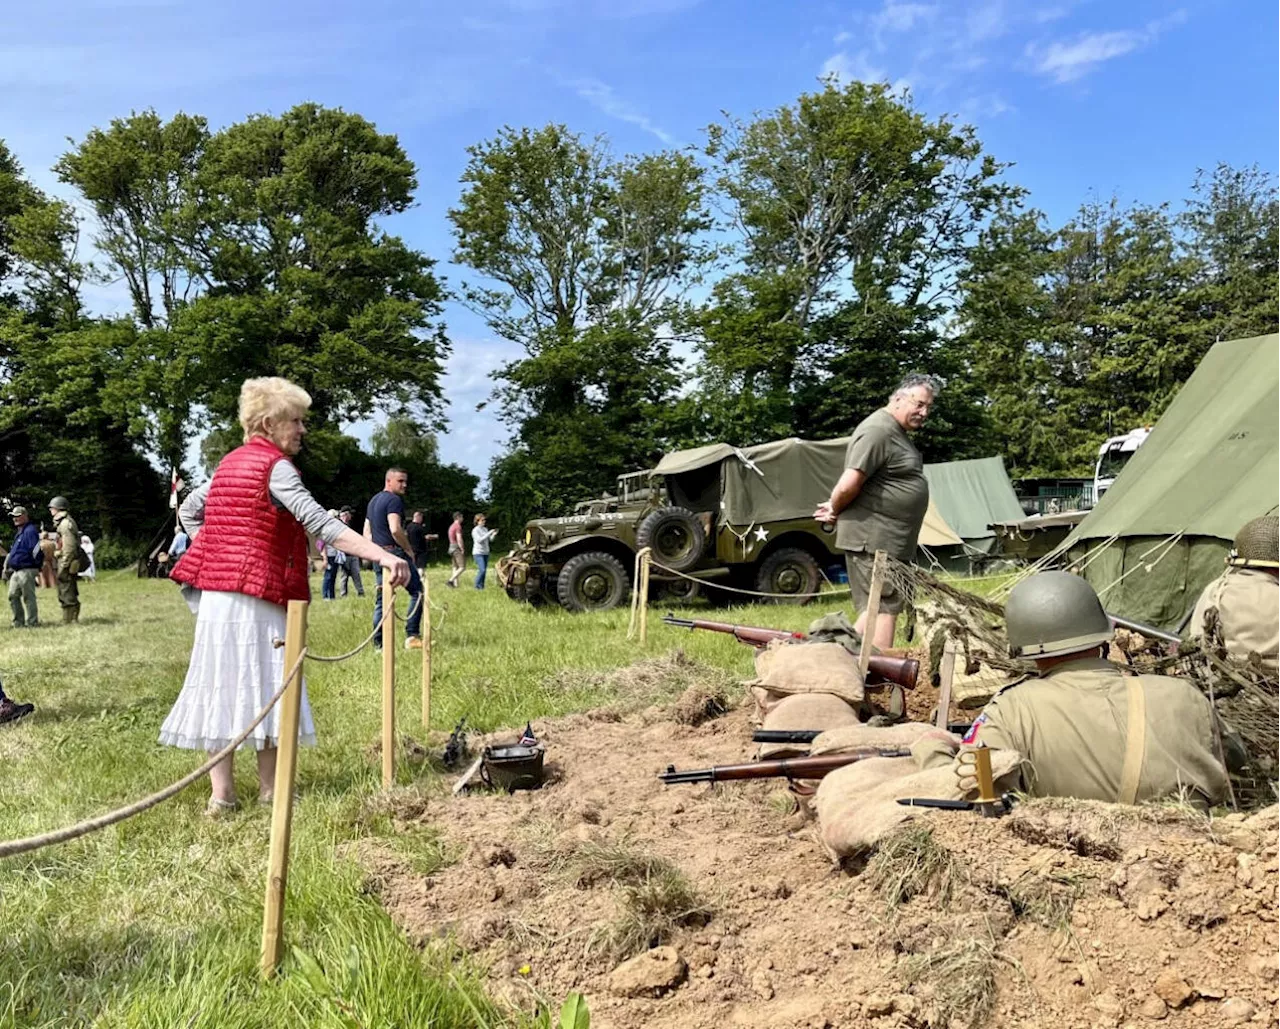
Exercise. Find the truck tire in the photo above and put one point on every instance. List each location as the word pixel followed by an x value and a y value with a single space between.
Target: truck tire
pixel 675 535
pixel 788 570
pixel 594 581
pixel 682 591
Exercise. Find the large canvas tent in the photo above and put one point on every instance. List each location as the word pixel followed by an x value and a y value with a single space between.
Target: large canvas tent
pixel 1162 530
pixel 971 496
pixel 774 481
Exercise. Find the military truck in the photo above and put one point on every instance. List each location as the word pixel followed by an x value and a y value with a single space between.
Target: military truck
pixel 714 515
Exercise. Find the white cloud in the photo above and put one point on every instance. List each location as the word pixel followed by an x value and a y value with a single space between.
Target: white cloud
pixel 896 17
pixel 842 37
pixel 853 68
pixel 1066 61
pixel 601 96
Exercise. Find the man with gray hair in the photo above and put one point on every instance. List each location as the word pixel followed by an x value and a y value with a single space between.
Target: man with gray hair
pixel 880 501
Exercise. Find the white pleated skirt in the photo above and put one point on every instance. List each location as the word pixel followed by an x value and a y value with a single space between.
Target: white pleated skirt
pixel 235 669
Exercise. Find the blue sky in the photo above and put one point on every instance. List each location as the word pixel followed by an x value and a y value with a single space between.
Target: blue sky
pixel 1084 97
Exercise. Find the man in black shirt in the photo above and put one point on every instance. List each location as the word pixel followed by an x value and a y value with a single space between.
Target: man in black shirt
pixel 384 524
pixel 416 530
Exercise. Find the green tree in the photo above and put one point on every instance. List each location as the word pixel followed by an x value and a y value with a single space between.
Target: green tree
pixel 587 260
pixel 856 213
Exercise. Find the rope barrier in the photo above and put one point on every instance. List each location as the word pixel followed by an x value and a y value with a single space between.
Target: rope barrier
pixel 751 593
pixel 351 653
pixel 71 832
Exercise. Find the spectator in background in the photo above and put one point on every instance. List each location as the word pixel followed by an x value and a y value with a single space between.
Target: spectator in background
pixel 21 567
pixel 48 574
pixel 248 559
pixel 457 552
pixel 350 566
pixel 333 560
pixel 384 525
pixel 416 530
pixel 86 545
pixel 480 540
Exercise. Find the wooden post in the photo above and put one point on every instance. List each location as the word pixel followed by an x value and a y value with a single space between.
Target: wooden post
pixel 873 611
pixel 646 556
pixel 946 674
pixel 426 654
pixel 295 635
pixel 388 683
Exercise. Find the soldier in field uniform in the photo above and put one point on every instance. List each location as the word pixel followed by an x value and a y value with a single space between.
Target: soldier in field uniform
pixel 70 559
pixel 881 499
pixel 1247 595
pixel 1083 726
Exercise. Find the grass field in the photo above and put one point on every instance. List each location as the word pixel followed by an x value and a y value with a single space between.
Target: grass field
pixel 156 921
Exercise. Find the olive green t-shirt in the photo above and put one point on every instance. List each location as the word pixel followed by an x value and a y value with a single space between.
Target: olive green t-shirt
pixel 889 510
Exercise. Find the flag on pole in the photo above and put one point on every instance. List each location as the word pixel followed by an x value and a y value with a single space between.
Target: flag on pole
pixel 175 484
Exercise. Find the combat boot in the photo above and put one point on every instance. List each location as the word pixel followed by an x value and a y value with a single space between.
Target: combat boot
pixel 71 615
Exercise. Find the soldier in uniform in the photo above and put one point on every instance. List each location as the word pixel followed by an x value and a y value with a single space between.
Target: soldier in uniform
pixel 70 559
pixel 1247 595
pixel 1083 726
pixel 880 501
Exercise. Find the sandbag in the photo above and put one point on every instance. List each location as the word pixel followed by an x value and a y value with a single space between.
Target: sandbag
pixel 786 668
pixel 801 711
pixel 858 804
pixel 836 740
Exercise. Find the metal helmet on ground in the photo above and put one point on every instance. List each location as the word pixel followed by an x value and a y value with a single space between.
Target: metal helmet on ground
pixel 1052 614
pixel 1257 544
pixel 60 504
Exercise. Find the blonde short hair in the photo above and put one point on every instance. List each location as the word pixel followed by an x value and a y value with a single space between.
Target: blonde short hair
pixel 271 397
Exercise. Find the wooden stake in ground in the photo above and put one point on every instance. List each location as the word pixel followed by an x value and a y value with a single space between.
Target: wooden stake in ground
pixel 873 611
pixel 295 638
pixel 426 653
pixel 946 675
pixel 388 684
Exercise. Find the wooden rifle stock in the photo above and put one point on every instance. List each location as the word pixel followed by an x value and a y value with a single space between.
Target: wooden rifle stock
pixel 786 768
pixel 881 669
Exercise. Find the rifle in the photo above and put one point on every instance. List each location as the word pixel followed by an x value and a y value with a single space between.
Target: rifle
pixel 456 748
pixel 786 768
pixel 1150 631
pixel 809 735
pixel 882 669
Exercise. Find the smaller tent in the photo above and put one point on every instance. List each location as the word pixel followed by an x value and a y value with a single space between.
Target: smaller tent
pixel 971 496
pixel 1162 530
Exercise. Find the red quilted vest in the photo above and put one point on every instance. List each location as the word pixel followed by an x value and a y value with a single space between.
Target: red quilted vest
pixel 247 544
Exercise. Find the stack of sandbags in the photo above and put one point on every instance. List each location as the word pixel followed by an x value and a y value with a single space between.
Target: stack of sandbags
pixel 858 804
pixel 805 686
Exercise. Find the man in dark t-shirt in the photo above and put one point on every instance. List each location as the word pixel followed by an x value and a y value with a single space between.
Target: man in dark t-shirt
pixel 880 501
pixel 384 524
pixel 416 530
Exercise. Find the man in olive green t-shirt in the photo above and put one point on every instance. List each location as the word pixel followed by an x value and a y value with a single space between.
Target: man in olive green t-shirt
pixel 880 501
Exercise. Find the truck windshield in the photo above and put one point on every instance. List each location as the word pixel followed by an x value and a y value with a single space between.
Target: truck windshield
pixel 1110 463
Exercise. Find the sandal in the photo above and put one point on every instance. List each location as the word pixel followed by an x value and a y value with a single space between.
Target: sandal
pixel 217 808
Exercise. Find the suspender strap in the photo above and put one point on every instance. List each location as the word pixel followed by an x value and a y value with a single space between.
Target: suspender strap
pixel 1135 746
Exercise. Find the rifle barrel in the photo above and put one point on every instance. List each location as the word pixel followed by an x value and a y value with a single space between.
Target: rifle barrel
pixel 786 768
pixel 1150 631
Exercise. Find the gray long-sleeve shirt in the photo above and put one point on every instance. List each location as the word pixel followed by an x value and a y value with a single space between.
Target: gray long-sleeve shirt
pixel 287 492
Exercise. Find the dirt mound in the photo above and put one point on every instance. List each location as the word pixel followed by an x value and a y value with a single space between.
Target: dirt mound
pixel 700 906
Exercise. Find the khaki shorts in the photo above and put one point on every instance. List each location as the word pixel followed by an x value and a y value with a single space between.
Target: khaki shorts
pixel 858 564
pixel 458 558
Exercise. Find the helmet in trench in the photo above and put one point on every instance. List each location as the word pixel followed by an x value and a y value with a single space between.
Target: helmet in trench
pixel 1257 544
pixel 1052 614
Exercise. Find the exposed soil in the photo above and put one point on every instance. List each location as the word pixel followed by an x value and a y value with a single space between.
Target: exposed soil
pixel 1062 914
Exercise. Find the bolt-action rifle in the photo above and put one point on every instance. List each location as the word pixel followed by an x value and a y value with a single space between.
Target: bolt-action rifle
pixel 786 768
pixel 881 669
pixel 809 735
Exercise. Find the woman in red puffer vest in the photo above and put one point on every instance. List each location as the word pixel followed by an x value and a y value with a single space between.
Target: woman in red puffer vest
pixel 246 561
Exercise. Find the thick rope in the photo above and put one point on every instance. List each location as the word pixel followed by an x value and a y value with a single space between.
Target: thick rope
pixel 352 653
pixel 71 832
pixel 750 593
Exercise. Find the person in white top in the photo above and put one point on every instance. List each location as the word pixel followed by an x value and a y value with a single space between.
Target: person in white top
pixel 480 539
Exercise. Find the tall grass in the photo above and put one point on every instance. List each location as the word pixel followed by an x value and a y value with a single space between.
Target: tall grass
pixel 156 921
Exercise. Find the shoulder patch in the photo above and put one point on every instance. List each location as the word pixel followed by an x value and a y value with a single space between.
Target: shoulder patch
pixel 972 734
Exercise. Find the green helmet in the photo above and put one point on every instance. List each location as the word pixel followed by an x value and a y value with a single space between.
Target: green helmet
pixel 1257 544
pixel 1052 614
pixel 60 504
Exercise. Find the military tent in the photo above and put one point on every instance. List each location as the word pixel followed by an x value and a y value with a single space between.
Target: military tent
pixel 971 496
pixel 1162 530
